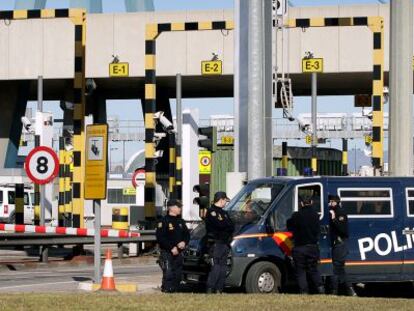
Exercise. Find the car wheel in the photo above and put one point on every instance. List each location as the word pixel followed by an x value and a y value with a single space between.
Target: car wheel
pixel 263 277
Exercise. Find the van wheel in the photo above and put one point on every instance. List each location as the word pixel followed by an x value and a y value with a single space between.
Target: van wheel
pixel 263 277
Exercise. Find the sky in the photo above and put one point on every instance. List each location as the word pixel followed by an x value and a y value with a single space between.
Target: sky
pixel 132 110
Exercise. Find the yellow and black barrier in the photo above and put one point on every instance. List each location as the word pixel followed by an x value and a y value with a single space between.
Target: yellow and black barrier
pixel 178 173
pixel 151 34
pixel 376 25
pixel 344 156
pixel 61 197
pixel 78 18
pixel 120 219
pixel 172 166
pixel 19 204
pixel 36 202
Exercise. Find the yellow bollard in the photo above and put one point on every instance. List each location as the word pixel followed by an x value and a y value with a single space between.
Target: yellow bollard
pixel 120 218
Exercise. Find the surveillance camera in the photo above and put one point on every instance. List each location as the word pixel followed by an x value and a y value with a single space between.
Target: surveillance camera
pixel 158 153
pixel 65 105
pixel 166 124
pixel 90 86
pixel 27 124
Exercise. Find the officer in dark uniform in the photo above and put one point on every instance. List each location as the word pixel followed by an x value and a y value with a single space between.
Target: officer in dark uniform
pixel 338 229
pixel 219 234
pixel 172 237
pixel 304 224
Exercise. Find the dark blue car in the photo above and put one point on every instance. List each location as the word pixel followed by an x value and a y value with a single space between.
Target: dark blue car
pixel 381 223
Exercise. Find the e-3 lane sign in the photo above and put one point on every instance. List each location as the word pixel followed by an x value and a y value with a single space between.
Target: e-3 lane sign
pixel 41 165
pixel 310 65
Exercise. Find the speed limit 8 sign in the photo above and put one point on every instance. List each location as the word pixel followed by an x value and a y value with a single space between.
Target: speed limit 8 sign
pixel 41 165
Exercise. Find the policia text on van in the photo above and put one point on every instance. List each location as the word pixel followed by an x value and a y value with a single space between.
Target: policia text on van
pixel 381 219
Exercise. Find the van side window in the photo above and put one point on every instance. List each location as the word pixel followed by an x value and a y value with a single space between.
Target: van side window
pixel 1 197
pixel 11 197
pixel 311 191
pixel 410 201
pixel 283 212
pixel 367 202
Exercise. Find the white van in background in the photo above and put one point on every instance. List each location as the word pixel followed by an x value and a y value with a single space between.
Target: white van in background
pixel 7 204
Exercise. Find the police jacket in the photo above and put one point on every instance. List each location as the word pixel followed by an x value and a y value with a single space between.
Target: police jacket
pixel 171 230
pixel 338 227
pixel 219 226
pixel 304 224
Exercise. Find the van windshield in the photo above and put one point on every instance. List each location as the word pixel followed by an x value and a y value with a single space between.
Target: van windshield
pixel 252 202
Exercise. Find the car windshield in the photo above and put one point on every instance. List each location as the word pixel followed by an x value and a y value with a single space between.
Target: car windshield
pixel 252 202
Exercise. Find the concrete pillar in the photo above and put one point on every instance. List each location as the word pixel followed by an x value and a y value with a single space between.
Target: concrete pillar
pixel 256 131
pixel 401 89
pixel 13 102
pixel 241 113
pixel 139 5
pixel 29 4
pixel 91 6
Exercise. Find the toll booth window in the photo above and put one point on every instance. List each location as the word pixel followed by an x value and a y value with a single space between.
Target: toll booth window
pixel 360 203
pixel 116 196
pixel 11 197
pixel 313 193
pixel 410 201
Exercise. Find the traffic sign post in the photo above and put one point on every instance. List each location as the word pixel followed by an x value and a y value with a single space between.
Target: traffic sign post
pixel 42 166
pixel 95 181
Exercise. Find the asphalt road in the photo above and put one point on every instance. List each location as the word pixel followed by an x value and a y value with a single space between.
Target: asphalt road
pixel 66 279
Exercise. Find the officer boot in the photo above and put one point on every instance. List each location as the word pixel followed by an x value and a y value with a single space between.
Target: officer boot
pixel 321 290
pixel 350 291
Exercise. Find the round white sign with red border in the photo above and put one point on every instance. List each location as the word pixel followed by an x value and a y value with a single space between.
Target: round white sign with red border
pixel 138 178
pixel 42 165
pixel 205 161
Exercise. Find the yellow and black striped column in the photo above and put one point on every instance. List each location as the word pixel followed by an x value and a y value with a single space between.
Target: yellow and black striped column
pixel 61 197
pixel 78 121
pixel 37 192
pixel 68 190
pixel 149 110
pixel 77 16
pixel 19 204
pixel 172 166
pixel 151 34
pixel 284 159
pixel 178 173
pixel 376 25
pixel 344 156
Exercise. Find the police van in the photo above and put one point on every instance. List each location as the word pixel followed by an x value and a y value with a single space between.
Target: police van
pixel 381 225
pixel 7 204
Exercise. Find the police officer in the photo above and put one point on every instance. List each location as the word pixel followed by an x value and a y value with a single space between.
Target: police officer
pixel 338 229
pixel 219 233
pixel 172 236
pixel 304 224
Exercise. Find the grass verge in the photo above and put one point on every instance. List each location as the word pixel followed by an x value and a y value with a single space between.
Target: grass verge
pixel 182 302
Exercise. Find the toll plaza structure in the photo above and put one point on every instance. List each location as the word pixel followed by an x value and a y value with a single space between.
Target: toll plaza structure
pixel 67 49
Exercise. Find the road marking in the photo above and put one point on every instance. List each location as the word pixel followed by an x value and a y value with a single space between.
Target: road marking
pixel 37 284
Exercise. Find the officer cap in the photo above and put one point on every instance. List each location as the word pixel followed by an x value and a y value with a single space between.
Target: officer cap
pixel 333 197
pixel 220 195
pixel 171 203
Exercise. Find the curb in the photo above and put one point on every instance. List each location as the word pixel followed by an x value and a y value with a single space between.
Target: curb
pixel 120 287
pixel 86 261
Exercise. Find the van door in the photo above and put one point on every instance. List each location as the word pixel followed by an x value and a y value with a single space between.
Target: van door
pixel 375 251
pixel 315 190
pixel 2 211
pixel 408 234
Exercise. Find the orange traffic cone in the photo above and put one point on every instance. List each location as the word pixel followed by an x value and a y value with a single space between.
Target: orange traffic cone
pixel 108 281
